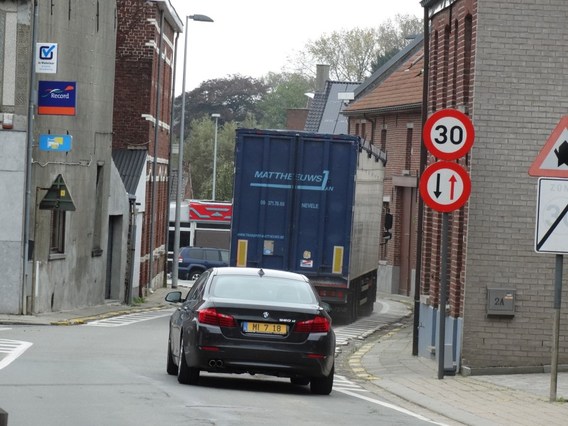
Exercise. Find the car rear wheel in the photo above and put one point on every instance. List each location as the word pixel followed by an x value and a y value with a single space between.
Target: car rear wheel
pixel 171 367
pixel 300 381
pixel 322 385
pixel 186 375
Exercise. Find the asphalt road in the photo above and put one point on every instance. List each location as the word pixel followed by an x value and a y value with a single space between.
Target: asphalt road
pixel 113 373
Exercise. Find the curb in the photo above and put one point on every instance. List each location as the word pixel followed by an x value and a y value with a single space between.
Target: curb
pixel 84 320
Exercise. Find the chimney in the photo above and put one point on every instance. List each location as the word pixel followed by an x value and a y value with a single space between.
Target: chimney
pixel 322 75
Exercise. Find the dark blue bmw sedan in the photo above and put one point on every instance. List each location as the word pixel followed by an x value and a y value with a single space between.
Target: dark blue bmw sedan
pixel 255 321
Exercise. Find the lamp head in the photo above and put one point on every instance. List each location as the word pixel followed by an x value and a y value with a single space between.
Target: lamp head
pixel 201 18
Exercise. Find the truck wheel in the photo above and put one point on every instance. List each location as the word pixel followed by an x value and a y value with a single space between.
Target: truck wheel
pixel 367 308
pixel 353 306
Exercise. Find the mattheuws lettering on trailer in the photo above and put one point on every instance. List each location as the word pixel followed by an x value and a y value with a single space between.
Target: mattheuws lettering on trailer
pixel 287 180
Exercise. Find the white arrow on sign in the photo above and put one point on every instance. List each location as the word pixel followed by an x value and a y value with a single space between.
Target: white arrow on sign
pixel 551 233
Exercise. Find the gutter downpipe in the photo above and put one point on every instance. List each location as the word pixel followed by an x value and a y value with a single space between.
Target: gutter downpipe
pixel 28 164
pixel 155 154
pixel 423 161
pixel 172 116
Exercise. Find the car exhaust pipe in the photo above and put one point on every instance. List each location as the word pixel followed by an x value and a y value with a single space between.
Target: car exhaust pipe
pixel 216 363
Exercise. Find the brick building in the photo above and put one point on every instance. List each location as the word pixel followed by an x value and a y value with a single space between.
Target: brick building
pixel 504 65
pixel 145 50
pixel 387 110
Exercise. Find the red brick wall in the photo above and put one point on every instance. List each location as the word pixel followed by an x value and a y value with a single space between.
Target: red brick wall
pixel 133 74
pixel 452 41
pixel 390 132
pixel 136 89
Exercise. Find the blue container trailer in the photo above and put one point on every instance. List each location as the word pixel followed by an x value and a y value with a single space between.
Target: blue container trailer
pixel 310 203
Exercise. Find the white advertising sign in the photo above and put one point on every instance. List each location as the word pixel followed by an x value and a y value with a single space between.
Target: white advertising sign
pixel 46 58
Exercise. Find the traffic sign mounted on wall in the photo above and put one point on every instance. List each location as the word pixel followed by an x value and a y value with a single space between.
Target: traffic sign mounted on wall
pixel 552 160
pixel 448 134
pixel 445 186
pixel 551 231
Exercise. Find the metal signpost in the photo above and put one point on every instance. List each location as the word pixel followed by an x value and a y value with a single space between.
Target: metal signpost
pixel 445 186
pixel 551 231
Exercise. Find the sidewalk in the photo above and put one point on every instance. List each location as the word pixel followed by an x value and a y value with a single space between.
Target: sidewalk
pixel 520 399
pixel 153 301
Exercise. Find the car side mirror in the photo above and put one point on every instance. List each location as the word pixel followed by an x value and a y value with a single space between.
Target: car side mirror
pixel 174 297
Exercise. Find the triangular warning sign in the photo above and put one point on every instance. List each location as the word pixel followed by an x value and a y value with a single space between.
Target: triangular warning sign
pixel 57 197
pixel 552 160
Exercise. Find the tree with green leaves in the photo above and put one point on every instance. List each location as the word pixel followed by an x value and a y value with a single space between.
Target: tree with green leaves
pixel 285 91
pixel 198 155
pixel 353 55
pixel 234 97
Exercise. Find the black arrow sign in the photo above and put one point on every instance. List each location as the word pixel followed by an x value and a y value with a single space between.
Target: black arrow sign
pixel 437 192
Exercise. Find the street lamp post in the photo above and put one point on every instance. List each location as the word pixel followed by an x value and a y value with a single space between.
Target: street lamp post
pixel 216 116
pixel 175 261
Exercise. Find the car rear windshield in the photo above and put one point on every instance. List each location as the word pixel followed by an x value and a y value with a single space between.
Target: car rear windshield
pixel 265 289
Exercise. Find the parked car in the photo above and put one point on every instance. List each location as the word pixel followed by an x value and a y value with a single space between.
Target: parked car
pixel 193 261
pixel 255 321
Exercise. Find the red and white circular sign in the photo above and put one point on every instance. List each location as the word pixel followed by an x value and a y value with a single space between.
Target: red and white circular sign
pixel 448 134
pixel 445 186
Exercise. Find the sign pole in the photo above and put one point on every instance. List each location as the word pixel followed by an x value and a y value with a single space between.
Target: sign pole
pixel 445 186
pixel 556 326
pixel 442 299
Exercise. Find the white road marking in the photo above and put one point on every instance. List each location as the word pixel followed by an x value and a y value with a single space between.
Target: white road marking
pixel 128 319
pixel 341 383
pixel 13 349
pixel 387 405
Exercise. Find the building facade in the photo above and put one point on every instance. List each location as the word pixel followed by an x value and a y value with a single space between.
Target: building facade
pixel 146 40
pixel 71 218
pixel 504 65
pixel 387 110
pixel 15 25
pixel 57 111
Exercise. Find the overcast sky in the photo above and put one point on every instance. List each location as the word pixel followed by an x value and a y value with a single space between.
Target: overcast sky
pixel 254 37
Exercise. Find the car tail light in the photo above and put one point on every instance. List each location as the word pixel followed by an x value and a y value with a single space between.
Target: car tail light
pixel 212 317
pixel 336 294
pixel 316 325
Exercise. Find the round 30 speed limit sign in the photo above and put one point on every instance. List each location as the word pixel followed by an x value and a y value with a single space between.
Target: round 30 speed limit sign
pixel 448 134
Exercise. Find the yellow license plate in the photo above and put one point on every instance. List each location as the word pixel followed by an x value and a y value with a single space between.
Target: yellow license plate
pixel 265 327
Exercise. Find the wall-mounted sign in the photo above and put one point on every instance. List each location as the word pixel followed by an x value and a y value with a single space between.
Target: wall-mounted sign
pixel 448 134
pixel 445 186
pixel 552 160
pixel 46 58
pixel 57 197
pixel 55 142
pixel 56 98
